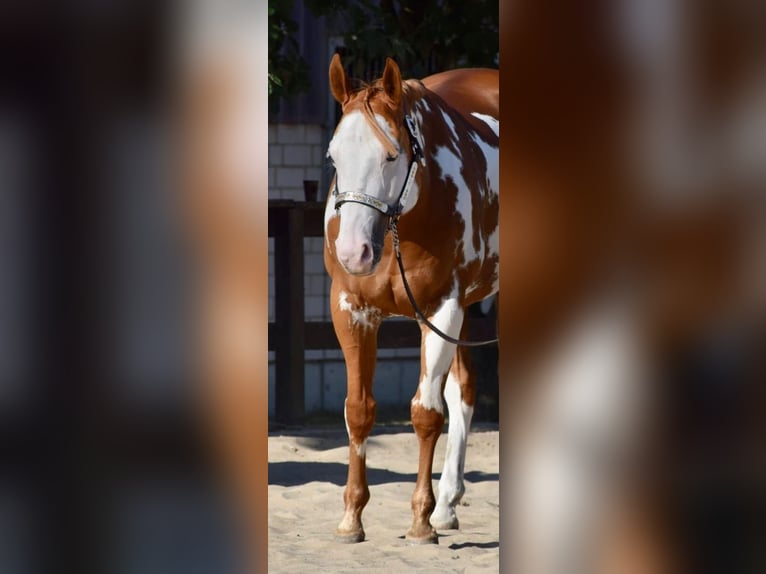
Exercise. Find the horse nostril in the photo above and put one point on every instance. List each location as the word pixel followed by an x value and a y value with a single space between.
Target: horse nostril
pixel 366 253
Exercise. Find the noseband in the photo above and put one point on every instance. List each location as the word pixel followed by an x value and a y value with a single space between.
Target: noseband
pixel 393 212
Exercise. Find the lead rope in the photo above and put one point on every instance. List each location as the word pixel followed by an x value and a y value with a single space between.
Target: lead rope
pixel 418 313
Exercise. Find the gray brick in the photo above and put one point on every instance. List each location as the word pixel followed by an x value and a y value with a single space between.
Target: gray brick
pixel 314 173
pixel 387 383
pixel 315 307
pixel 334 385
pixel 272 133
pixel 275 155
pixel 314 263
pixel 404 353
pixel 290 177
pixel 313 134
pixel 318 244
pixel 317 285
pixel 313 389
pixel 410 378
pixel 289 134
pixel 272 179
pixel 297 155
pixel 318 156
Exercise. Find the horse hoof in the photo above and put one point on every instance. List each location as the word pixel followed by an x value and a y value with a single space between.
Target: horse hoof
pixel 444 518
pixel 428 538
pixel 448 523
pixel 349 537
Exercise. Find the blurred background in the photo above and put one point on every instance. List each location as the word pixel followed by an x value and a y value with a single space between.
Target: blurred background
pixel 632 162
pixel 105 462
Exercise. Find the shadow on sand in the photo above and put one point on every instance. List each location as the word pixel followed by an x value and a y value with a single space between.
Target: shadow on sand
pixel 293 473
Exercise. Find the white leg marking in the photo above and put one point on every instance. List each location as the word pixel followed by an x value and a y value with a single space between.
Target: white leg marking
pixel 345 418
pixel 438 354
pixel 451 486
pixel 361 449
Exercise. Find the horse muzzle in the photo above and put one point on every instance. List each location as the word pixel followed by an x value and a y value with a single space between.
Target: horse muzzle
pixel 360 258
pixel 359 254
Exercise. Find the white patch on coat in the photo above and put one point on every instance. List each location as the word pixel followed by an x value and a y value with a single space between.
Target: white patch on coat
pixel 421 107
pixel 492 155
pixel 451 125
pixel 493 123
pixel 366 316
pixel 438 354
pixel 361 449
pixel 451 484
pixel 450 165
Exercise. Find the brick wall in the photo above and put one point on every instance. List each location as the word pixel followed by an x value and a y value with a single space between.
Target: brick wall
pixel 296 153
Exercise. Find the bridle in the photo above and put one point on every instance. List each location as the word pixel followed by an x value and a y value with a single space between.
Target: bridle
pixel 393 212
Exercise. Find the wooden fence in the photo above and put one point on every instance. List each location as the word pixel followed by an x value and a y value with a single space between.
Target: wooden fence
pixel 290 335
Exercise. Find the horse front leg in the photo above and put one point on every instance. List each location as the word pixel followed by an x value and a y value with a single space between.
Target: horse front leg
pixel 427 411
pixel 356 327
pixel 460 394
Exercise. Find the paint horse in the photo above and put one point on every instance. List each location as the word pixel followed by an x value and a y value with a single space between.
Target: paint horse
pixel 420 157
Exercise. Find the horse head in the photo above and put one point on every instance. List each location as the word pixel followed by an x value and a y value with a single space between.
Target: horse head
pixel 370 151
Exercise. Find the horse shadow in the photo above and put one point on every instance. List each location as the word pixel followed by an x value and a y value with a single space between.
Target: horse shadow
pixel 484 545
pixel 295 473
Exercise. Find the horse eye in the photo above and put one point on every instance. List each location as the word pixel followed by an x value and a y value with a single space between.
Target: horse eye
pixel 392 157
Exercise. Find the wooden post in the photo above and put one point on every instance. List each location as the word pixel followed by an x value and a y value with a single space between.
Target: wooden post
pixel 289 320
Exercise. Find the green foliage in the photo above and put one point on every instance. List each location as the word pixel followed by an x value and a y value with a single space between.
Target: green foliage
pixel 421 35
pixel 288 71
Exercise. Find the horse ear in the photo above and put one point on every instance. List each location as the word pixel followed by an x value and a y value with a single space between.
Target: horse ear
pixel 392 81
pixel 338 80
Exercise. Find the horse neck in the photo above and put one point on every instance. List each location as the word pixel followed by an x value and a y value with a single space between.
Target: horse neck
pixel 427 112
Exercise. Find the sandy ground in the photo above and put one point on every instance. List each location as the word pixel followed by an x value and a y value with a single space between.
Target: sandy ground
pixel 307 473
